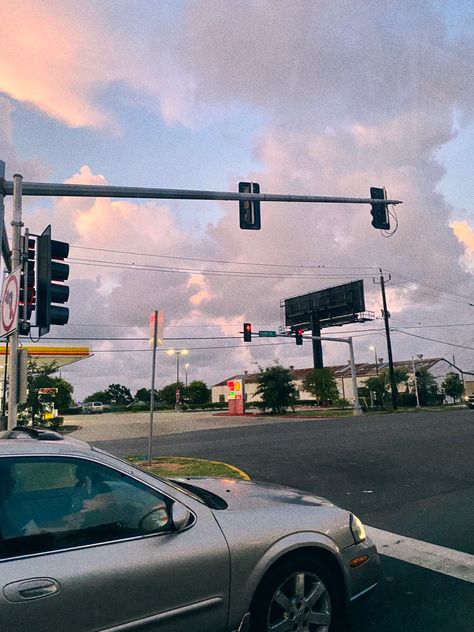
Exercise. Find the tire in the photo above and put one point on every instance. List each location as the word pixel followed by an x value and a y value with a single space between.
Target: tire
pixel 301 595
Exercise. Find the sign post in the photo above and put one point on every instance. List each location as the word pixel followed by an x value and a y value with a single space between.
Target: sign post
pixel 156 338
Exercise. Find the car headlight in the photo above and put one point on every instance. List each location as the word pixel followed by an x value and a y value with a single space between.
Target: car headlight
pixel 357 528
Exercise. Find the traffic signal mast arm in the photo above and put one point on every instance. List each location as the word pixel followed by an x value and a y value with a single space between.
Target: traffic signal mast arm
pixel 44 189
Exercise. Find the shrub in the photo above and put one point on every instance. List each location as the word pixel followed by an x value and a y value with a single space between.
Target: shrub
pixel 56 423
pixel 406 399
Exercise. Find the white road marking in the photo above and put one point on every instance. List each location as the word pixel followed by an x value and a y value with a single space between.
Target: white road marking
pixel 431 556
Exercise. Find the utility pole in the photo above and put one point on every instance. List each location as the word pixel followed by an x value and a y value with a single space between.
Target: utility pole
pixel 386 316
pixel 16 261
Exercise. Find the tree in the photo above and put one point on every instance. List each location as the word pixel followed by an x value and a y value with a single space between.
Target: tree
pixel 276 388
pixel 143 395
pixel 198 393
pixel 378 386
pixel 168 393
pixel 322 384
pixel 63 397
pixel 39 377
pixel 453 386
pixel 381 385
pixel 427 387
pixel 98 396
pixel 119 394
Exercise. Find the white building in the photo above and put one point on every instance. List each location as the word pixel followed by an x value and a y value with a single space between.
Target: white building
pixel 438 367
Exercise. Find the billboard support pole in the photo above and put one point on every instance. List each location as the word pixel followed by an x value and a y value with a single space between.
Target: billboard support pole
pixel 317 346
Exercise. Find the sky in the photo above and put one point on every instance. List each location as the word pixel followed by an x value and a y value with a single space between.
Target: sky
pixel 312 97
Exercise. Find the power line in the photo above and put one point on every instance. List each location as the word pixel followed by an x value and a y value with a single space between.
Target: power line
pixel 229 273
pixel 263 344
pixel 430 285
pixel 246 263
pixel 248 274
pixel 443 342
pixel 142 338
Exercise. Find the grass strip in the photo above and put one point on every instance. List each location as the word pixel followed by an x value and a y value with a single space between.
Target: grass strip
pixel 168 466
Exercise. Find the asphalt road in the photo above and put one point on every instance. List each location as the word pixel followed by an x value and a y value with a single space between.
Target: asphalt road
pixel 410 474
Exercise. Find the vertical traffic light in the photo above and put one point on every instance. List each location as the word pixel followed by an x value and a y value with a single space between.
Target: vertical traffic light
pixel 48 291
pixel 298 335
pixel 27 285
pixel 247 332
pixel 380 217
pixel 249 209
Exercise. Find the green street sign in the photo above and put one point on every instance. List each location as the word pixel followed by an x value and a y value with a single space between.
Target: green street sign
pixel 267 334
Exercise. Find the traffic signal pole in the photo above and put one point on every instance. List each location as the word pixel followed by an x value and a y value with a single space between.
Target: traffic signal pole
pixel 357 409
pixel 17 188
pixel 16 260
pixel 44 189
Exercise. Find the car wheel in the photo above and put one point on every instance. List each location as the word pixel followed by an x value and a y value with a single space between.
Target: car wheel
pixel 300 595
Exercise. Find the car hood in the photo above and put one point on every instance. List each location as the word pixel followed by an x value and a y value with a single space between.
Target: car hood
pixel 242 495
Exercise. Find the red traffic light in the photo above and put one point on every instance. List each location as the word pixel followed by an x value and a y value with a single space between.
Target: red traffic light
pixel 247 332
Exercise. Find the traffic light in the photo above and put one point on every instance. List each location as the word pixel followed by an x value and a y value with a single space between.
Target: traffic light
pixel 247 332
pixel 249 209
pixel 27 295
pixel 380 217
pixel 298 335
pixel 48 291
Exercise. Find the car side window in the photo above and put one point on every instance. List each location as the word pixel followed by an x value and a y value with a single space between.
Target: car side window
pixel 51 503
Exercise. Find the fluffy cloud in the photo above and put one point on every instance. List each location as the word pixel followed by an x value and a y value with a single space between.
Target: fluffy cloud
pixel 352 95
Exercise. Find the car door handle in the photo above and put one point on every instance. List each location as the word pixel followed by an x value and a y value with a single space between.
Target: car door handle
pixel 28 589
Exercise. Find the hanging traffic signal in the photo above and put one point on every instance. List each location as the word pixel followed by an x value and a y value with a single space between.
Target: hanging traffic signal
pixel 48 291
pixel 247 332
pixel 298 335
pixel 380 217
pixel 249 209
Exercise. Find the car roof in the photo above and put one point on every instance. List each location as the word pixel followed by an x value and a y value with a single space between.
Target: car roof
pixel 28 441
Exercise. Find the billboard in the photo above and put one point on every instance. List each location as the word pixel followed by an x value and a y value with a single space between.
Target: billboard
pixel 332 306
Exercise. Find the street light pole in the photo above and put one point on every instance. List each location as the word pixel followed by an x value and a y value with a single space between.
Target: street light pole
pixel 374 349
pixel 416 383
pixel 186 369
pixel 177 352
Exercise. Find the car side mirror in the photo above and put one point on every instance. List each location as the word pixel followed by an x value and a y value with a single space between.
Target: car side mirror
pixel 180 516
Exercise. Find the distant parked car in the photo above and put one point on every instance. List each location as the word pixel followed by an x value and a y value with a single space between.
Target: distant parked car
pixel 89 542
pixel 469 401
pixel 91 408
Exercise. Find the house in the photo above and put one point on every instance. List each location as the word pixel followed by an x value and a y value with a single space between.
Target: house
pixel 438 367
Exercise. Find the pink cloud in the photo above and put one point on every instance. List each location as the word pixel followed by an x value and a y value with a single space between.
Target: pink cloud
pixel 55 62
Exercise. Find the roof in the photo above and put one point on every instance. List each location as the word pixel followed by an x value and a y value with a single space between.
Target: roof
pixel 48 354
pixel 364 369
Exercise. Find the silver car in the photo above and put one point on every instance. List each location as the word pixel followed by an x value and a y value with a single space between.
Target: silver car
pixel 88 542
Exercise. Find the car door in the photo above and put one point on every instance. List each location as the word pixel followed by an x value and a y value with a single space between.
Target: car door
pixel 86 560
